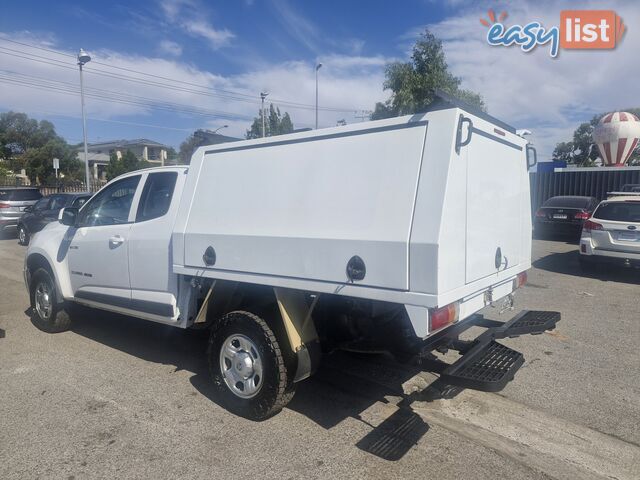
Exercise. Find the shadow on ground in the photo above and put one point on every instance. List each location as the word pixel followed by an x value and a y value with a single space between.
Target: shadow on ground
pixel 568 263
pixel 349 384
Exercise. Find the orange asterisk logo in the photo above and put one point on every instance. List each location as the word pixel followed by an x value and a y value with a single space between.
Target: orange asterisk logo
pixel 492 18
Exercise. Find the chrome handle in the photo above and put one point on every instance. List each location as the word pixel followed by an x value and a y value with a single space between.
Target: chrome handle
pixel 116 241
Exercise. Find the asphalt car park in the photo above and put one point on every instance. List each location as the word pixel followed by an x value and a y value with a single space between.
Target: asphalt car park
pixel 119 397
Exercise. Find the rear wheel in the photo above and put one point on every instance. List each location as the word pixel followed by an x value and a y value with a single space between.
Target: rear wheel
pixel 23 235
pixel 247 366
pixel 47 313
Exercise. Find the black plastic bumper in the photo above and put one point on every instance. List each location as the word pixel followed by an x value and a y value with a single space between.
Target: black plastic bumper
pixel 484 363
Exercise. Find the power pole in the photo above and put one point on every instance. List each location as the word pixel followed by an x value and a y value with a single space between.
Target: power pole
pixel 318 66
pixel 263 95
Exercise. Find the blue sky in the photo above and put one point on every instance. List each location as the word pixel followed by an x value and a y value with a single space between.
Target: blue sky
pixel 232 50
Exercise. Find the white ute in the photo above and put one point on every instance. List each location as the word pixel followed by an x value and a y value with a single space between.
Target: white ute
pixel 387 235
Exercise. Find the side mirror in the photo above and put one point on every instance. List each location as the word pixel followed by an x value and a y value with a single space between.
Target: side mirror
pixel 68 216
pixel 28 209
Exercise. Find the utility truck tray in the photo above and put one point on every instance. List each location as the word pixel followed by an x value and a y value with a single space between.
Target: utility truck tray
pixel 420 210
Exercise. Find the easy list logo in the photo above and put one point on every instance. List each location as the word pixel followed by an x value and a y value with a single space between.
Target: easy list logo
pixel 579 29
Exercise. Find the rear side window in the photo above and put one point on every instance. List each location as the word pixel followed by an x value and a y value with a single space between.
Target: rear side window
pixel 21 195
pixel 156 196
pixel 619 212
pixel 568 202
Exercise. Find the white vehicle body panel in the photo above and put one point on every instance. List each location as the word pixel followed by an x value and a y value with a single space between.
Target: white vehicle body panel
pixel 292 211
pixel 427 219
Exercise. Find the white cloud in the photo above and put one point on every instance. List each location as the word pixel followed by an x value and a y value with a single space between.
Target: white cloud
pixel 170 48
pixel 531 90
pixel 297 26
pixel 189 16
pixel 201 28
pixel 350 83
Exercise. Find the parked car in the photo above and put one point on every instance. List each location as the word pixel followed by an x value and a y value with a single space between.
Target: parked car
pixel 631 187
pixel 563 215
pixel 612 234
pixel 377 236
pixel 14 201
pixel 46 210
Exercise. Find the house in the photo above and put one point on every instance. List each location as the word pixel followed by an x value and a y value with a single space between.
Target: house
pixel 99 153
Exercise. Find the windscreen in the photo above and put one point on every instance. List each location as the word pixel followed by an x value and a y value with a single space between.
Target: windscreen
pixel 568 202
pixel 20 195
pixel 619 211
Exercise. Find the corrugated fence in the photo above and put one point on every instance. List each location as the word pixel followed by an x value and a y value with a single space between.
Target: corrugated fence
pixel 592 183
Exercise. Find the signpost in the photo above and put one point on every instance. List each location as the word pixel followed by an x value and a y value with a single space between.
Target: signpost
pixel 56 165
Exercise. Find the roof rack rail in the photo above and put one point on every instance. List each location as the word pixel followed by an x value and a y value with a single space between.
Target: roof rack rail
pixel 623 194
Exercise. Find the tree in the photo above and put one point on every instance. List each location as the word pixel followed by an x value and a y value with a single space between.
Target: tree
pixel 413 84
pixel 32 145
pixel 581 151
pixel 172 155
pixel 127 163
pixel 275 124
pixel 192 142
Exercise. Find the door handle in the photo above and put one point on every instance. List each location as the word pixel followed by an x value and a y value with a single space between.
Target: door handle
pixel 116 241
pixel 459 142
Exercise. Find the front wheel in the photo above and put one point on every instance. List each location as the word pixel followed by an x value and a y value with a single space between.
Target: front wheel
pixel 247 366
pixel 23 235
pixel 47 313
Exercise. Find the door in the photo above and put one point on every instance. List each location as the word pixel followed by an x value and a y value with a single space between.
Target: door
pixel 154 287
pixel 98 253
pixel 495 169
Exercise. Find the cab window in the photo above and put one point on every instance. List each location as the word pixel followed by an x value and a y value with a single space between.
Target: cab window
pixel 42 204
pixel 57 202
pixel 111 205
pixel 156 196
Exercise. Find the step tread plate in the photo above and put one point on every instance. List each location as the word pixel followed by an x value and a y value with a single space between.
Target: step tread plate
pixel 533 322
pixel 487 368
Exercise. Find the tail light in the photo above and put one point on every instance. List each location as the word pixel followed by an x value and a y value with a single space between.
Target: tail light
pixel 444 316
pixel 582 216
pixel 5 205
pixel 540 213
pixel 591 225
pixel 520 280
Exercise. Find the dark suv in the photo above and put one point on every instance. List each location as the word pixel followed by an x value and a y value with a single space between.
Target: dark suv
pixel 46 210
pixel 14 201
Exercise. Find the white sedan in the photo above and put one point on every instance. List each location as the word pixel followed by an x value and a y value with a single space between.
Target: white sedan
pixel 612 234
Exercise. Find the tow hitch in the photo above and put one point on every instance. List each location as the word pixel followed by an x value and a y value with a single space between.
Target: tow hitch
pixel 485 364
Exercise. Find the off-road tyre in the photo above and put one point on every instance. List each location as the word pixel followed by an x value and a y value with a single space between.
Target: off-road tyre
pixel 57 319
pixel 277 387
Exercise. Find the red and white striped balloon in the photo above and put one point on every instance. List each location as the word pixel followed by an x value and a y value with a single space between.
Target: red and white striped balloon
pixel 617 135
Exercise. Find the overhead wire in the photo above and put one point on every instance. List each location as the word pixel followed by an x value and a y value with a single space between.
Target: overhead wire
pixel 205 90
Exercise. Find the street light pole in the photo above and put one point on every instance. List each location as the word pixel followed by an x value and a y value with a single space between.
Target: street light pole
pixel 318 66
pixel 84 58
pixel 263 95
pixel 219 128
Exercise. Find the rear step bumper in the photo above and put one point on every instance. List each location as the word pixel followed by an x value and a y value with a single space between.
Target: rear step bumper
pixel 485 364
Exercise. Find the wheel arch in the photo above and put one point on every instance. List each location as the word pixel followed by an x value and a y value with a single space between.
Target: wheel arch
pixel 36 261
pixel 285 310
